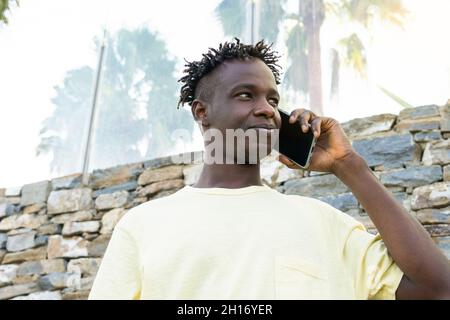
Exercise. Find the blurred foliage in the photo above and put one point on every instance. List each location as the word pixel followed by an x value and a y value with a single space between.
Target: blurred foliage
pixel 136 105
pixel 303 35
pixel 5 5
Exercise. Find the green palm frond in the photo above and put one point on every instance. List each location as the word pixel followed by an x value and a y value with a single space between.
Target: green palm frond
pixel 231 14
pixel 271 15
pixel 354 54
pixel 5 5
pixel 365 11
pixel 296 76
pixel 349 51
pixel 395 97
pixel 392 11
pixel 137 75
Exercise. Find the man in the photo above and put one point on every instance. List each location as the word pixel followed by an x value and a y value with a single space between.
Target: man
pixel 228 236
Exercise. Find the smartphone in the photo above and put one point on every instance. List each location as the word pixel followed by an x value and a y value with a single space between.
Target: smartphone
pixel 293 143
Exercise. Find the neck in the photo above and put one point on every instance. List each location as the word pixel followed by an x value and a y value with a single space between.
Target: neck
pixel 231 176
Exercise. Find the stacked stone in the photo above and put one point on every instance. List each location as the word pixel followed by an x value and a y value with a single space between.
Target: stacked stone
pixel 53 234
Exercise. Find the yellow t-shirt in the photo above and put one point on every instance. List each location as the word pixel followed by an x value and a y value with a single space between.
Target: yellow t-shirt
pixel 247 243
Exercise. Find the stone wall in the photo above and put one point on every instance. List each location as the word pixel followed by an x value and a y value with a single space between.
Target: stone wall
pixel 53 233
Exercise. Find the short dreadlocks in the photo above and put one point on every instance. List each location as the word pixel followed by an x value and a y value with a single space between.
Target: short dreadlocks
pixel 196 70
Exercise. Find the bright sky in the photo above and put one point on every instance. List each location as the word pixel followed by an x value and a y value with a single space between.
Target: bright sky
pixel 47 38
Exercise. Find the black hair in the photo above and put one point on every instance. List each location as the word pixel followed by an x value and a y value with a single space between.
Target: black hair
pixel 196 70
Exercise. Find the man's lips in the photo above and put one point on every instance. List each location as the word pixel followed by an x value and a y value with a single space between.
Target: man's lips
pixel 263 126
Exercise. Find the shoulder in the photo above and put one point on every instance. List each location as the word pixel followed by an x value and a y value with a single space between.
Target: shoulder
pixel 326 212
pixel 147 212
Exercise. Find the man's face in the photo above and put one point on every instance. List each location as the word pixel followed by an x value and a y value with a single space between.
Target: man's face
pixel 246 95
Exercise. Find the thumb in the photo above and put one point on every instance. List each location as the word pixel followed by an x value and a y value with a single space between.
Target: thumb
pixel 285 160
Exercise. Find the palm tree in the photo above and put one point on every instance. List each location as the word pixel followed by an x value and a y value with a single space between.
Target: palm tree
pixel 61 132
pixel 137 95
pixel 304 71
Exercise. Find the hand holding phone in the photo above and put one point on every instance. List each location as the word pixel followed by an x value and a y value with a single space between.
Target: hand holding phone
pixel 294 143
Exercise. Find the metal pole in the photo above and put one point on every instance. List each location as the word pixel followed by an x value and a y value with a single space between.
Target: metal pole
pixel 92 117
pixel 252 24
pixel 257 18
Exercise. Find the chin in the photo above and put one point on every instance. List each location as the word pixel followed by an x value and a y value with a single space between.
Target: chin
pixel 255 155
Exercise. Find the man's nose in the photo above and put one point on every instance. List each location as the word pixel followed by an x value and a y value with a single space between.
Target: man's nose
pixel 264 108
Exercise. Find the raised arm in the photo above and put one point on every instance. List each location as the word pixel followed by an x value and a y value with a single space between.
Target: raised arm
pixel 426 270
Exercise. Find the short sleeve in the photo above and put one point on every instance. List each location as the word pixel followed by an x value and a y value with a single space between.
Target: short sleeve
pixel 374 272
pixel 118 277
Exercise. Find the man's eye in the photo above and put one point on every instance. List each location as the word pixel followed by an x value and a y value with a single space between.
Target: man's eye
pixel 274 101
pixel 244 95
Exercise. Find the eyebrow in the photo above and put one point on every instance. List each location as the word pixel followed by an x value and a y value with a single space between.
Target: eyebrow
pixel 252 86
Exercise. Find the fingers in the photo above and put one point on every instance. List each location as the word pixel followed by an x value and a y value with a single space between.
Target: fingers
pixel 315 124
pixel 283 159
pixel 295 114
pixel 305 117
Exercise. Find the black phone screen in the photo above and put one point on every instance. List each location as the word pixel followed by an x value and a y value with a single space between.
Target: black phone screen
pixel 293 142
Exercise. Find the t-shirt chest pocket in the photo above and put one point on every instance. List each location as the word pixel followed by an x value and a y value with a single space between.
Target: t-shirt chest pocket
pixel 300 279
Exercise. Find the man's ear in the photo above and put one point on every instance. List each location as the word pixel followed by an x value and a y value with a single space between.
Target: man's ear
pixel 199 112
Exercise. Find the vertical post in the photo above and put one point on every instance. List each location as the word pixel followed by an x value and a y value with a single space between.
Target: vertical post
pixel 92 116
pixel 256 14
pixel 252 23
pixel 251 26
